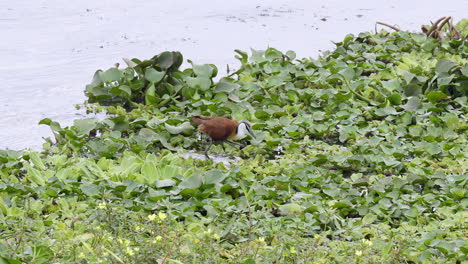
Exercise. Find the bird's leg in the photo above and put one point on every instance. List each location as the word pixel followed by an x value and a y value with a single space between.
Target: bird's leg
pixel 208 148
pixel 235 143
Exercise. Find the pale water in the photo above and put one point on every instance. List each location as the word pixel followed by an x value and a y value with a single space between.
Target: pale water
pixel 49 49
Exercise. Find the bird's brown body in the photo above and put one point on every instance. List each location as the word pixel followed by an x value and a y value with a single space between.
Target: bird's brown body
pixel 222 129
pixel 217 128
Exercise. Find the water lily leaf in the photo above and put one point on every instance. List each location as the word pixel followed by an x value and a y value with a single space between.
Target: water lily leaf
pixel 225 85
pixel 184 127
pixel 153 75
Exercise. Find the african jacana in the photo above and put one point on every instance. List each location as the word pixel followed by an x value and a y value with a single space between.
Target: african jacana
pixel 222 129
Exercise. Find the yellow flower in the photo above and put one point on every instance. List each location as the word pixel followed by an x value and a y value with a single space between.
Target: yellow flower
pixel 216 236
pixel 162 216
pixel 130 251
pixel 292 250
pixel 102 205
pixel 368 243
pixel 158 238
pixel 358 253
pixel 152 217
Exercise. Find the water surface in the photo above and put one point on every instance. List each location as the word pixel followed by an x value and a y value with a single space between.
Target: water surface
pixel 49 49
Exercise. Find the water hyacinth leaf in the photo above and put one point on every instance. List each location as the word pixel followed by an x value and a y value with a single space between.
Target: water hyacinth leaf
pixel 388 110
pixel 54 126
pixel 391 85
pixel 394 99
pixel 204 70
pixel 464 70
pixel 122 90
pixel 413 104
pixel 347 73
pixel 444 66
pixel 169 61
pixel 290 209
pixel 435 96
pixel 452 121
pixel 153 75
pixel 150 95
pixel 184 127
pixel 413 90
pixel 147 133
pixel 84 126
pixel 192 182
pixel 90 189
pixel 291 54
pixel 200 82
pixel 225 85
pixel 111 75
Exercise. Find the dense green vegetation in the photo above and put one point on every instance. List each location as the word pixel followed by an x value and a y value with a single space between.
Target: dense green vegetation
pixel 359 157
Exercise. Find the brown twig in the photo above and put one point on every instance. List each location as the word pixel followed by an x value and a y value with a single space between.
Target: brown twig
pixel 434 26
pixel 387 25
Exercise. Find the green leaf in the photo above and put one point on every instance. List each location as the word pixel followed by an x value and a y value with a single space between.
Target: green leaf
pixel 84 126
pixel 200 82
pixel 413 104
pixel 121 90
pixel 452 121
pixel 290 209
pixel 394 99
pixel 347 73
pixel 192 182
pixel 392 85
pixel 111 75
pixel 204 70
pixel 184 127
pixel 150 95
pixel 435 96
pixel 37 161
pixel 90 189
pixel 153 75
pixel 225 85
pixel 444 66
pixel 413 90
pixel 388 110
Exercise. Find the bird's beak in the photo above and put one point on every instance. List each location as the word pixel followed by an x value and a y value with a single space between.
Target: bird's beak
pixel 251 133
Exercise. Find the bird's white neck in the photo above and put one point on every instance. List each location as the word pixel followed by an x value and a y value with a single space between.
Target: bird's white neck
pixel 241 131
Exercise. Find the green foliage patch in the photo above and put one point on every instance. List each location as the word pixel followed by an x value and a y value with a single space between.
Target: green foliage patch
pixel 359 156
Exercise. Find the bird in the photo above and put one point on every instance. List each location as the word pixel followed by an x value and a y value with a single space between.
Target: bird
pixel 221 129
